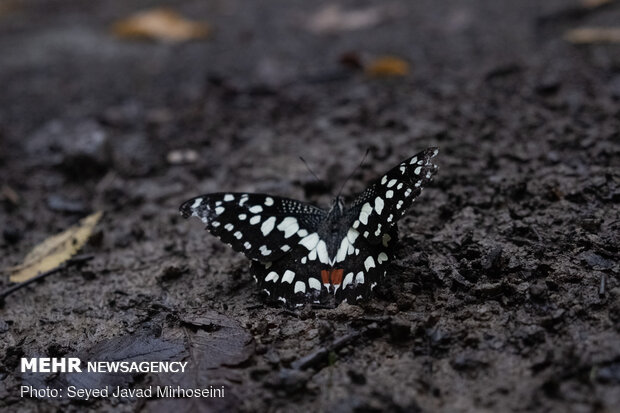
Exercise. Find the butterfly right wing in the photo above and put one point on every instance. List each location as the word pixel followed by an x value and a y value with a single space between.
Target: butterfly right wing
pixel 383 203
pixel 263 227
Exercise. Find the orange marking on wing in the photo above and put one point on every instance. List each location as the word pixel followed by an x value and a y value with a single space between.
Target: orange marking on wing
pixel 336 276
pixel 325 276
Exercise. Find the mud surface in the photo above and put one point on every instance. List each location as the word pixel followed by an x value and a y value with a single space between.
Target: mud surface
pixel 504 295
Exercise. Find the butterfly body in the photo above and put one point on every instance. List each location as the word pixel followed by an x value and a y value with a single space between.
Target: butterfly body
pixel 301 253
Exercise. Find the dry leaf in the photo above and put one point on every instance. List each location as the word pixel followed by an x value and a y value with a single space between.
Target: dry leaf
pixel 160 24
pixel 387 66
pixel 585 35
pixel 7 7
pixel 9 194
pixel 332 18
pixel 593 4
pixel 55 250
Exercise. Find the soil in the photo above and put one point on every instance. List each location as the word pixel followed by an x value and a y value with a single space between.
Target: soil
pixel 504 295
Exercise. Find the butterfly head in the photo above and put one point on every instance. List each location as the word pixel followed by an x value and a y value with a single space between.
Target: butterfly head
pixel 337 206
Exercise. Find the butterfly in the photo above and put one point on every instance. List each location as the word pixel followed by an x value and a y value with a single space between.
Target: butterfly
pixel 301 253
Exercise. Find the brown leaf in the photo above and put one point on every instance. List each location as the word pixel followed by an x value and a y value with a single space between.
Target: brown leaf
pixel 591 35
pixel 8 7
pixel 55 250
pixel 387 66
pixel 160 24
pixel 593 4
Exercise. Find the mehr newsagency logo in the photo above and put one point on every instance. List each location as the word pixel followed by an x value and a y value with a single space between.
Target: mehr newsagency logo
pixel 75 365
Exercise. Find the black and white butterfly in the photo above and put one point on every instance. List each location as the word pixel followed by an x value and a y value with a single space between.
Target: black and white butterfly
pixel 301 253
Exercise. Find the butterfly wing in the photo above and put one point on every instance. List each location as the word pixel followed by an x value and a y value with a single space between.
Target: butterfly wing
pixel 363 270
pixel 263 227
pixel 372 219
pixel 384 202
pixel 292 279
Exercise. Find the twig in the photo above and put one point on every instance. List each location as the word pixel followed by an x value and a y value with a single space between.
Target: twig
pixel 79 259
pixel 321 355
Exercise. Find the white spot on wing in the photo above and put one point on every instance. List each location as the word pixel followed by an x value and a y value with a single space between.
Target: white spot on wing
pixel 247 245
pixel 389 194
pixel 348 279
pixel 342 250
pixel 359 278
pixel 392 183
pixel 289 226
pixel 196 203
pixel 272 276
pixel 256 209
pixel 238 234
pixel 382 257
pixel 255 219
pixel 413 160
pixel 366 211
pixel 417 170
pixel 228 198
pixel 242 217
pixel 264 250
pixel 310 241
pixel 379 205
pixel 314 283
pixel 369 263
pixel 219 210
pixel 321 250
pixel 300 287
pixel 267 226
pixel 384 180
pixel 269 201
pixel 229 227
pixel 352 235
pixel 288 277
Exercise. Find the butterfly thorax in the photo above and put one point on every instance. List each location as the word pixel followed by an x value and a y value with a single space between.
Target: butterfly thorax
pixel 333 229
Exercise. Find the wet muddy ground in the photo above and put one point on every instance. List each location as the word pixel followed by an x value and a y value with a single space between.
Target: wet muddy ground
pixel 504 295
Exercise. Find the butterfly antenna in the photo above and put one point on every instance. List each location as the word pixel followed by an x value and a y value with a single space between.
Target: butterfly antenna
pixel 310 170
pixel 353 172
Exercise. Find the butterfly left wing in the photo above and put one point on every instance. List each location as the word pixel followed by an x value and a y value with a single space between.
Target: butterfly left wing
pixel 263 227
